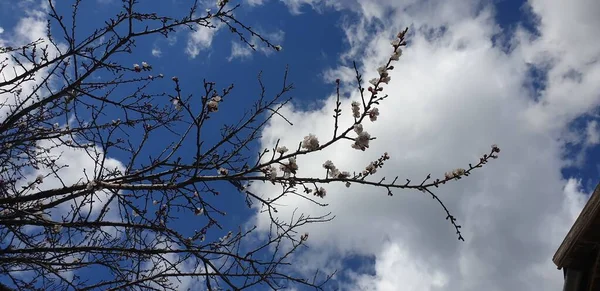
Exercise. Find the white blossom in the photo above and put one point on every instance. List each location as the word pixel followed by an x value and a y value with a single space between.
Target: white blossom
pixel 177 103
pixel 395 42
pixel 459 172
pixel 290 168
pixel 374 81
pixel 344 175
pixel 282 150
pixel 373 113
pixel 310 142
pixel 329 165
pixel 39 179
pixel 223 171
pixel 371 168
pixel 358 128
pixel 455 173
pixel 228 236
pixel 355 109
pixel 213 106
pixel 272 173
pixel 396 55
pixel 321 192
pixel 334 173
pixel 361 142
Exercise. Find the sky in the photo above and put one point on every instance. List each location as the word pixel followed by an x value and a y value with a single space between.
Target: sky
pixel 519 74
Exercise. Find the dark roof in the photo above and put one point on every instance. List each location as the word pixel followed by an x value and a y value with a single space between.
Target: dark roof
pixel 584 236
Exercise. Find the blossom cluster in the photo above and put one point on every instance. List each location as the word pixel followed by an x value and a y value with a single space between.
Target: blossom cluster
pixel 355 109
pixel 310 142
pixel 374 165
pixel 282 150
pixel 333 172
pixel 213 103
pixel 455 174
pixel 361 142
pixel 373 113
pixel 39 179
pixel 270 172
pixel 362 139
pixel 384 76
pixel 145 67
pixel 319 192
pixel 177 103
pixel 290 168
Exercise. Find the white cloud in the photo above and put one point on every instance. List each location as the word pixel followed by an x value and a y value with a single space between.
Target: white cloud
pixel 156 52
pixel 394 268
pixel 295 6
pixel 255 2
pixel 243 51
pixel 31 27
pixel 452 95
pixel 200 40
pixel 76 166
pixel 592 133
pixel 239 51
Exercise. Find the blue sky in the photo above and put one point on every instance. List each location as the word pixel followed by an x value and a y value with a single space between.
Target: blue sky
pixel 499 72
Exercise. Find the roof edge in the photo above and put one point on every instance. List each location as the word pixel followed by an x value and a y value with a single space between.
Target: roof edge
pixel 583 221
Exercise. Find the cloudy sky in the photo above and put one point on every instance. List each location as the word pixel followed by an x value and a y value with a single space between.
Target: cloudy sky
pixel 519 74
